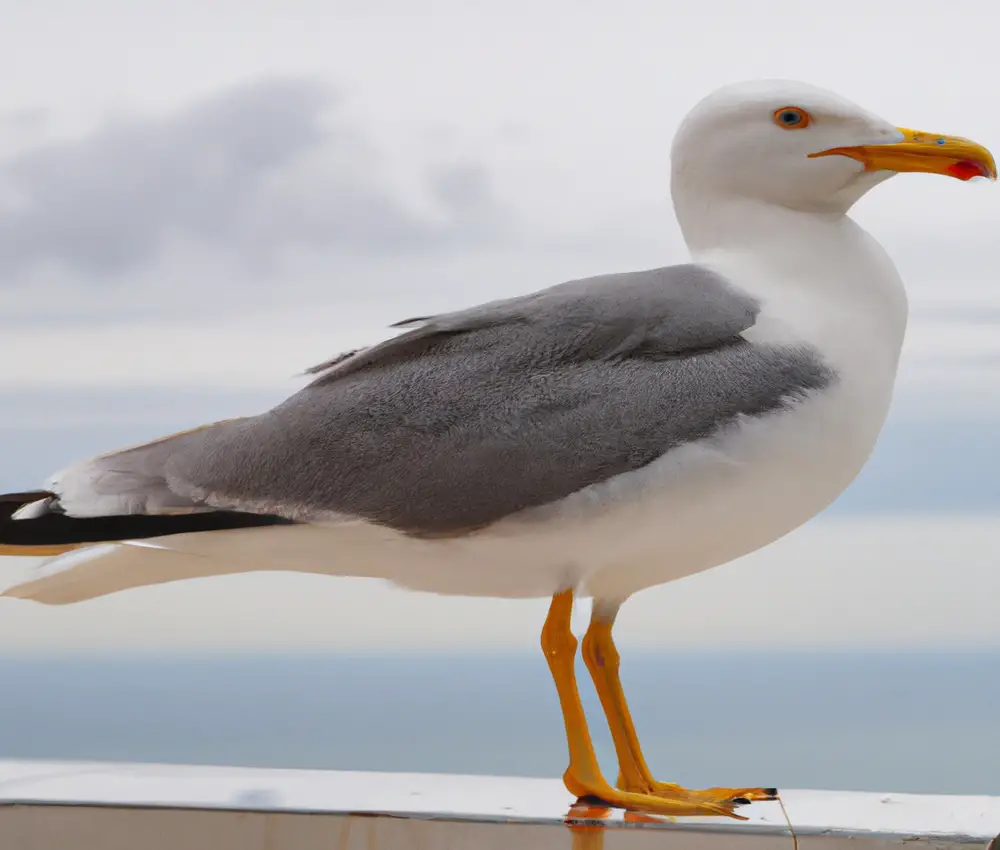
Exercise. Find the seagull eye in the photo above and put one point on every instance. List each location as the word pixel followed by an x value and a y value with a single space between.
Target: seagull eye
pixel 791 118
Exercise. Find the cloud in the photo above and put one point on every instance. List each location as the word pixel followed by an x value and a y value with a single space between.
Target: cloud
pixel 251 174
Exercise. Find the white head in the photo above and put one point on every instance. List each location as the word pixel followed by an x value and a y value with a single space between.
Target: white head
pixel 799 147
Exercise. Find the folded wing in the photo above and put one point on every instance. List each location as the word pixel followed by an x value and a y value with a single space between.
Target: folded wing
pixel 475 415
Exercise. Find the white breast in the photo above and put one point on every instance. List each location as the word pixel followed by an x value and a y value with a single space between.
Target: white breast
pixel 838 293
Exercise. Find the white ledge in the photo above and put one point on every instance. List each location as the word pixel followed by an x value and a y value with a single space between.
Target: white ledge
pixel 102 805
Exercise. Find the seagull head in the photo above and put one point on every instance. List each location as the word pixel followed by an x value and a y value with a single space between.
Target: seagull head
pixel 802 147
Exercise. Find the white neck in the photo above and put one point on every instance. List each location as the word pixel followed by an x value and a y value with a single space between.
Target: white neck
pixel 798 262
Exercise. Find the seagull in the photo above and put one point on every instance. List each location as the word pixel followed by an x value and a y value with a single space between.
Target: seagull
pixel 595 438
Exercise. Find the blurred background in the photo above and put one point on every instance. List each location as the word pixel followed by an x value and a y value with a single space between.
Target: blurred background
pixel 198 201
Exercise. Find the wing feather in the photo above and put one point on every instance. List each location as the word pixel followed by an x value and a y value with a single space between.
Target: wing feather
pixel 468 417
pixel 476 415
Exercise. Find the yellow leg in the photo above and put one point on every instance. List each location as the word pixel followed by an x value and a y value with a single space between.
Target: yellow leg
pixel 603 661
pixel 583 776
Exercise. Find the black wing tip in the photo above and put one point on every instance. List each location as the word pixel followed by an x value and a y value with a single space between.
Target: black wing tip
pixel 58 530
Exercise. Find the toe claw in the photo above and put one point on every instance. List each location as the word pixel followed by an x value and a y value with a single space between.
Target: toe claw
pixel 741 801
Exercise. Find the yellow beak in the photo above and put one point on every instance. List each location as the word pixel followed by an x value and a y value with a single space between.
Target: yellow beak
pixel 918 151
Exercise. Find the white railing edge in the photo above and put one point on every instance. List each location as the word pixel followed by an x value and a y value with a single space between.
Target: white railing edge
pixel 945 820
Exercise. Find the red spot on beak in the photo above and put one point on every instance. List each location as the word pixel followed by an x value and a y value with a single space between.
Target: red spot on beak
pixel 966 170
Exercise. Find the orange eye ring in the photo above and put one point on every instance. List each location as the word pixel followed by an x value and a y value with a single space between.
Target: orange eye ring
pixel 791 118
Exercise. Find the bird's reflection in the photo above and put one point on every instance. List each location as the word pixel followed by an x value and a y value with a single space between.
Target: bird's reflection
pixel 584 820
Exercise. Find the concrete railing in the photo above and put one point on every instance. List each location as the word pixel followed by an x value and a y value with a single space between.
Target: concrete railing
pixel 97 806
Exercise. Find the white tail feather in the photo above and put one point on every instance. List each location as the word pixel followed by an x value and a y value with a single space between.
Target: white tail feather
pixel 109 567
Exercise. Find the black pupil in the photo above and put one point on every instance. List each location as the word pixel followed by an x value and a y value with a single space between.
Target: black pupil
pixel 790 117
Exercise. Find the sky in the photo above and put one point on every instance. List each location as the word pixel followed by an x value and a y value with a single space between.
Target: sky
pixel 197 204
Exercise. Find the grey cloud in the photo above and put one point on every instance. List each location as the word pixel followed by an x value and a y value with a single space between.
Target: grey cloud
pixel 252 172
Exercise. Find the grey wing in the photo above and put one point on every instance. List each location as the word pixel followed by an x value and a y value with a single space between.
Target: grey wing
pixel 671 310
pixel 479 414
